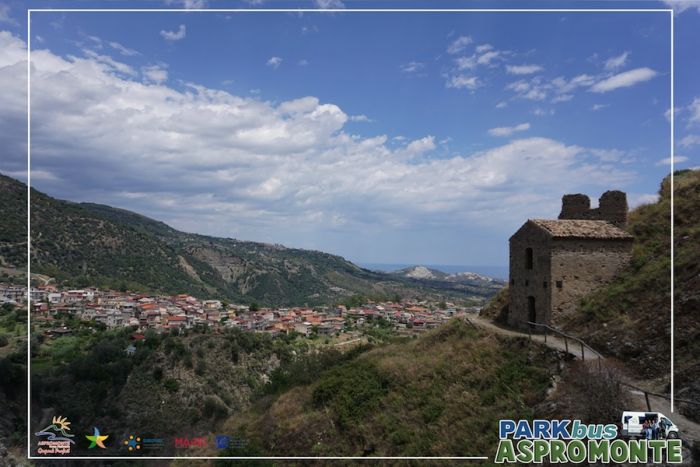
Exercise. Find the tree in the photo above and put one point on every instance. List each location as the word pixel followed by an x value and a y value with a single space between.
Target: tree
pixel 254 307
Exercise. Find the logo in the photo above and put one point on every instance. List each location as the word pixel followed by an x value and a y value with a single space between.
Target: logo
pixel 133 443
pixel 136 443
pixel 56 439
pixel 223 441
pixel 96 439
pixel 200 442
pixel 571 441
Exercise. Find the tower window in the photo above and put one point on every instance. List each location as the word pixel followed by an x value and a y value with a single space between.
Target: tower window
pixel 528 258
pixel 559 284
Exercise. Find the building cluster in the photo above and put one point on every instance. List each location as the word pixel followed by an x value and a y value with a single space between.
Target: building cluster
pixel 144 311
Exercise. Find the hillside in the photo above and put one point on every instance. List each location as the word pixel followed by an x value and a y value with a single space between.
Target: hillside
pixel 440 394
pixel 630 317
pixel 91 244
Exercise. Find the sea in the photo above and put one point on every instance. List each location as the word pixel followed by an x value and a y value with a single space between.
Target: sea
pixel 497 272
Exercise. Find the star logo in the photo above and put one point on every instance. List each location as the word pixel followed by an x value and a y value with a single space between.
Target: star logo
pixel 133 443
pixel 96 439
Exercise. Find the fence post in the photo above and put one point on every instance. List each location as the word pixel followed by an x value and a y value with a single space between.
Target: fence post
pixel 646 396
pixel 529 332
pixel 566 343
pixel 600 369
pixel 583 354
pixel 545 335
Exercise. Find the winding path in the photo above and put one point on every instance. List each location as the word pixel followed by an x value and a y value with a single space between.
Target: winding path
pixel 690 430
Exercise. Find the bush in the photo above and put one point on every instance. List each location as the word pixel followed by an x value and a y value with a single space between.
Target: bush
pixel 3 340
pixel 171 385
pixel 214 407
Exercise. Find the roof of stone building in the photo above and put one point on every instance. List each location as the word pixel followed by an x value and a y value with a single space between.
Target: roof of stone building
pixel 579 228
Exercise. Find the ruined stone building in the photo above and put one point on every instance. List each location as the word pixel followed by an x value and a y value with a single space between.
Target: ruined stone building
pixel 554 263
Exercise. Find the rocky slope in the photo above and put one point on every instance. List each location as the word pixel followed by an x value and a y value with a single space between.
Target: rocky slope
pixel 90 244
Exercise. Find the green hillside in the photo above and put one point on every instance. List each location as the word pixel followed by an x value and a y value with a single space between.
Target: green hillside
pixel 630 318
pixel 91 244
pixel 441 394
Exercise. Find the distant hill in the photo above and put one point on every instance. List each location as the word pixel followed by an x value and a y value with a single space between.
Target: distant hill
pixel 93 244
pixel 630 318
pixel 463 281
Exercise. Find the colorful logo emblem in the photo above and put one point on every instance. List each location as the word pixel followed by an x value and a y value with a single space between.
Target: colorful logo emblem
pixel 199 442
pixel 56 437
pixel 133 443
pixel 96 439
pixel 223 441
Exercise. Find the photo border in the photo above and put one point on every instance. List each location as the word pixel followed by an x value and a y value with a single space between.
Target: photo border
pixel 313 10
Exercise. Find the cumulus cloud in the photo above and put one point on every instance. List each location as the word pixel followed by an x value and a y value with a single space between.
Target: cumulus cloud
pixel 689 141
pixel 509 130
pixel 207 160
pixel 173 36
pixel 463 81
pixel 155 73
pixel 459 44
pixel 522 69
pixel 624 79
pixel 274 62
pixel 694 110
pixel 615 63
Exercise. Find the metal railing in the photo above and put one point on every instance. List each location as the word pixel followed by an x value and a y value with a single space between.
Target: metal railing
pixel 600 358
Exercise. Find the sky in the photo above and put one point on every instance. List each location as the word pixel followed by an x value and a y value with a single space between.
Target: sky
pixel 413 138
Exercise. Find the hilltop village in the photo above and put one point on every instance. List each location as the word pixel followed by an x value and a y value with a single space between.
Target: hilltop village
pixel 141 312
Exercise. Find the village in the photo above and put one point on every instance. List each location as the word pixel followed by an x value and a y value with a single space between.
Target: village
pixel 141 312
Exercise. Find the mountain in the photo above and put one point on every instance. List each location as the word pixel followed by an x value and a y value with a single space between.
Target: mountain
pixel 92 244
pixel 630 317
pixel 469 282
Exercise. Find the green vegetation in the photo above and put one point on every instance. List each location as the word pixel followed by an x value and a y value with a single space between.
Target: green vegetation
pixel 630 317
pixel 440 394
pixel 90 244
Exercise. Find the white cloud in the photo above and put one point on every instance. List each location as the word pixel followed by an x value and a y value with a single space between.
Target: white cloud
pixel 207 160
pixel 624 79
pixel 689 141
pixel 155 73
pixel 483 48
pixel 329 4
pixel 562 98
pixel 109 63
pixel 488 57
pixel 411 67
pixel 463 81
pixel 274 62
pixel 459 45
pixel 360 118
pixel 502 105
pixel 681 5
pixel 694 109
pixel 523 69
pixel 123 50
pixel 509 130
pixel 173 36
pixel 676 160
pixel 615 63
pixel 188 4
pixel 303 62
pixel 638 199
pixel 466 63
pixel 597 107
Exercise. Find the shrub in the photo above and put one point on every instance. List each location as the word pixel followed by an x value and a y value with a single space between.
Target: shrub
pixel 171 385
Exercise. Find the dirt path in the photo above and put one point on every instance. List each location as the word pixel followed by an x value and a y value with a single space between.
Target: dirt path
pixel 689 429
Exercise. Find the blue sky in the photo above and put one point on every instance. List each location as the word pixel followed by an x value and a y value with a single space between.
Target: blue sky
pixel 382 137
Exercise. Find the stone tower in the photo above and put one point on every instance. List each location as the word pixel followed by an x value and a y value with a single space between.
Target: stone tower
pixel 612 207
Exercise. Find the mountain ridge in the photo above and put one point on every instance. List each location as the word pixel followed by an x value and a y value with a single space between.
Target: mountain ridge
pixel 96 244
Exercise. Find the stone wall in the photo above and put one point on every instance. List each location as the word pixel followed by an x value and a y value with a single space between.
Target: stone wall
pixel 581 266
pixel 612 207
pixel 525 282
